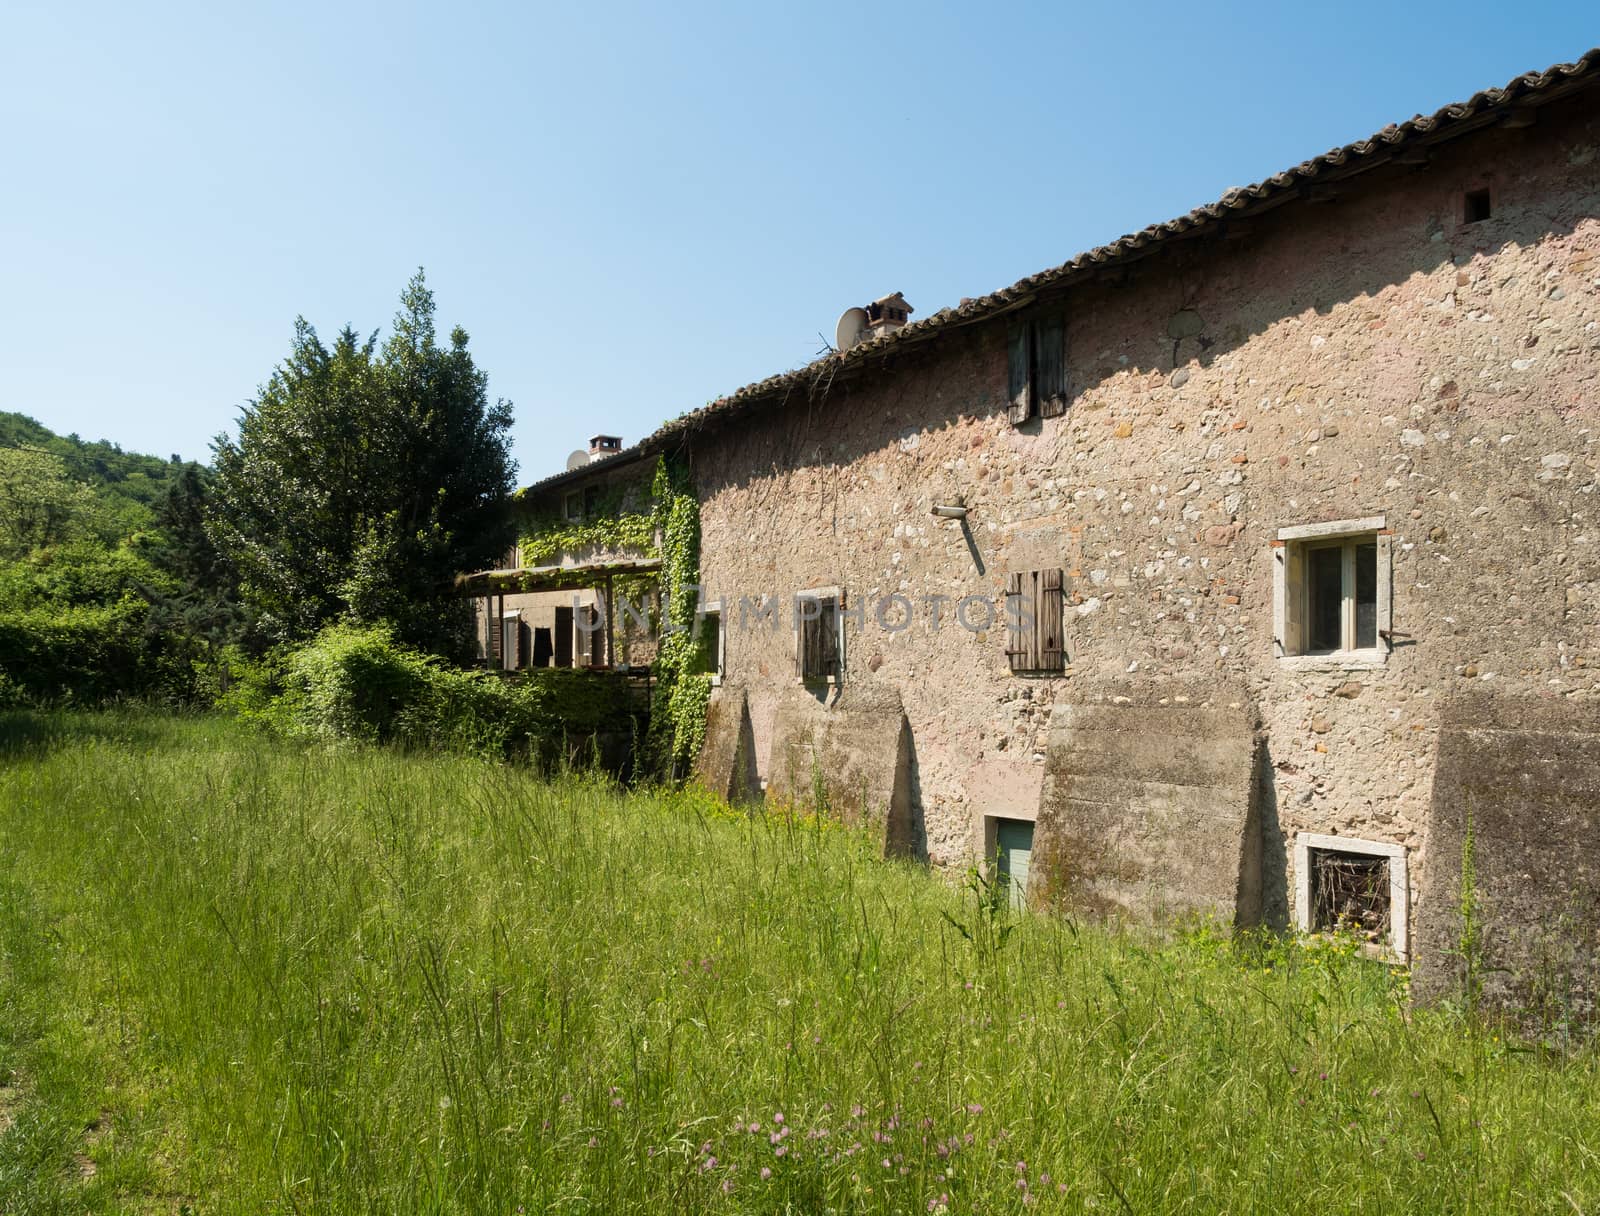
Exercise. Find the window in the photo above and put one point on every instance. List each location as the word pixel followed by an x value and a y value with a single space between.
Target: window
pixel 1359 886
pixel 572 506
pixel 1033 622
pixel 1475 206
pixel 715 641
pixel 819 637
pixel 1038 359
pixel 1331 591
pixel 511 651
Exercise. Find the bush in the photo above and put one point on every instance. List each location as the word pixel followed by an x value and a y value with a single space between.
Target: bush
pixel 87 655
pixel 358 683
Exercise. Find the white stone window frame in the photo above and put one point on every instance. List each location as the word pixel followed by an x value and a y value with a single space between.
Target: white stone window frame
pixel 714 608
pixel 836 594
pixel 1301 535
pixel 1399 882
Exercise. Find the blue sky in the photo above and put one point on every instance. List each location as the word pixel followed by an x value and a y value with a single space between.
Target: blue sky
pixel 632 209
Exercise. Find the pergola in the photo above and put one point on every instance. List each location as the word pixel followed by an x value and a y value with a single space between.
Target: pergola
pixel 597 576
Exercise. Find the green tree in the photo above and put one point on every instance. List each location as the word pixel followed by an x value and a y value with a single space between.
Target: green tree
pixel 40 504
pixel 364 479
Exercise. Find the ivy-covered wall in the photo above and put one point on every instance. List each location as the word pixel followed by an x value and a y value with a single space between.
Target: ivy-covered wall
pixel 621 519
pixel 683 660
pixel 659 518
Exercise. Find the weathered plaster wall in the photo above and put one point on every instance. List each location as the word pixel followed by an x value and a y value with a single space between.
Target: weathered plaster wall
pixel 1149 808
pixel 1523 775
pixel 1363 357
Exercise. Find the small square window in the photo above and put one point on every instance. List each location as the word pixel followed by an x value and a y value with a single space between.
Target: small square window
pixel 1332 590
pixel 1355 886
pixel 1475 206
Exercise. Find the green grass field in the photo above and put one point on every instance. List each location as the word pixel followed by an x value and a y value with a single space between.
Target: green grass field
pixel 237 976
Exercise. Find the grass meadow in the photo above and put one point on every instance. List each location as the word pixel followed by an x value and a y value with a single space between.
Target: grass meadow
pixel 243 976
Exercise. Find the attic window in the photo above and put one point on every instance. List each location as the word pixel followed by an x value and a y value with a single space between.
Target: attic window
pixel 1475 206
pixel 1038 368
pixel 1355 886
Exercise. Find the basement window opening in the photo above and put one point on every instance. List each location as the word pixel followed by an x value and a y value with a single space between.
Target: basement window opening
pixel 1475 206
pixel 1353 886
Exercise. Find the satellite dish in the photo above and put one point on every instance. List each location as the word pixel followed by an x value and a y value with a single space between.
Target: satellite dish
pixel 577 460
pixel 851 329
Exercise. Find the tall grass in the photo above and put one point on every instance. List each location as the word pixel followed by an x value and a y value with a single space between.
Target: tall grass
pixel 239 976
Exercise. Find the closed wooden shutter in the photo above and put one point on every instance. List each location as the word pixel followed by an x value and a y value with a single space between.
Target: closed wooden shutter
pixel 1016 631
pixel 1033 621
pixel 1050 365
pixel 828 628
pixel 1021 355
pixel 1052 650
pixel 806 649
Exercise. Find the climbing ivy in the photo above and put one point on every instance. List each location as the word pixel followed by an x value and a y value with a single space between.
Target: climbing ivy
pixel 669 529
pixel 683 687
pixel 606 525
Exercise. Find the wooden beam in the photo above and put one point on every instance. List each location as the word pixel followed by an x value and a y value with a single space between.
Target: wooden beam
pixel 611 625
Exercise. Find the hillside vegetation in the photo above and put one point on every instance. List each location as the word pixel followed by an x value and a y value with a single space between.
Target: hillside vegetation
pixel 239 975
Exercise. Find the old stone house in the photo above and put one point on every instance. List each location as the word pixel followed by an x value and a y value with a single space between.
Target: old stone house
pixel 547 608
pixel 1248 566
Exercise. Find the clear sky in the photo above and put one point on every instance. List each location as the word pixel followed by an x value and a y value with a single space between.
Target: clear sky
pixel 632 209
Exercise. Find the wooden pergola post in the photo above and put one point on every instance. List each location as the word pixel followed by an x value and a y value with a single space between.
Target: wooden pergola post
pixel 611 624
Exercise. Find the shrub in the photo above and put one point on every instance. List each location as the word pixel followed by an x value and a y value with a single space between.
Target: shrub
pixel 358 683
pixel 87 655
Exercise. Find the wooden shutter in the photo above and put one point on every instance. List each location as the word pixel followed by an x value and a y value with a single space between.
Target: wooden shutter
pixel 1385 592
pixel 828 647
pixel 1050 365
pixel 806 651
pixel 1047 622
pixel 1019 344
pixel 1016 643
pixel 1294 598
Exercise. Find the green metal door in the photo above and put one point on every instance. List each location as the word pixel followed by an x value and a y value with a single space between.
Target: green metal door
pixel 1013 844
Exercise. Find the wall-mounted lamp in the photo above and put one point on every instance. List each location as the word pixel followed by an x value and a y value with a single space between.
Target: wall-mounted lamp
pixel 951 510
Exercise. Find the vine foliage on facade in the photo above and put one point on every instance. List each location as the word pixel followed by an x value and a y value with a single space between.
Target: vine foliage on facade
pixel 666 524
pixel 683 680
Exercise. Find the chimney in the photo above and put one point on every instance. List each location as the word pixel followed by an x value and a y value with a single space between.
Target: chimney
pixel 601 446
pixel 888 313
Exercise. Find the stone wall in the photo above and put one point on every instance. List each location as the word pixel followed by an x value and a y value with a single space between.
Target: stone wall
pixel 1370 356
